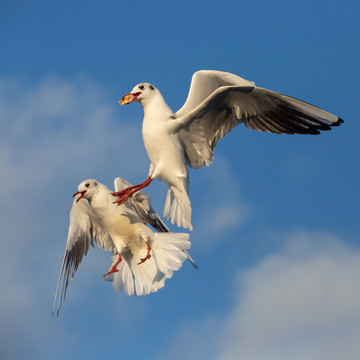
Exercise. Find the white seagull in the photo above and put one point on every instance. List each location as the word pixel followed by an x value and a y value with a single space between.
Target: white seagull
pixel 141 259
pixel 217 102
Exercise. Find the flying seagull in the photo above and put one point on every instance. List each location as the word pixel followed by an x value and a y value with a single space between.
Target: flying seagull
pixel 141 259
pixel 216 103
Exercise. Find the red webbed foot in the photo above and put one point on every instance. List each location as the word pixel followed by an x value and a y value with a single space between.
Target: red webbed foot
pixel 123 197
pixel 122 192
pixel 114 269
pixel 148 256
pixel 130 191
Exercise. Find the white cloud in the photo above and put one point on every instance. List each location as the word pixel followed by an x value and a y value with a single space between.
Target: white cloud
pixel 300 303
pixel 222 208
pixel 54 135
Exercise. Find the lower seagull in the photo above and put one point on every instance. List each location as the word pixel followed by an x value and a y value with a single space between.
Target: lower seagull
pixel 141 259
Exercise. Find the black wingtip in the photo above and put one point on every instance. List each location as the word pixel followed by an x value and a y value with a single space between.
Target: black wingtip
pixel 195 266
pixel 339 121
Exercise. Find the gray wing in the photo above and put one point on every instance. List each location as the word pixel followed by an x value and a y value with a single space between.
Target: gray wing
pixel 218 101
pixel 140 203
pixel 85 228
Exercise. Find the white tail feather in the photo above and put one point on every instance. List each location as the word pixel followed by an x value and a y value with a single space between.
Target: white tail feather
pixel 169 251
pixel 167 255
pixel 177 208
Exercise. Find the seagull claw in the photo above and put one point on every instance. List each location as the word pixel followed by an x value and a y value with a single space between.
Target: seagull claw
pixel 123 195
pixel 114 269
pixel 122 200
pixel 148 256
pixel 130 191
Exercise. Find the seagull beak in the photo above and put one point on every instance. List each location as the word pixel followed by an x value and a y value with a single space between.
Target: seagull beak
pixel 129 98
pixel 81 193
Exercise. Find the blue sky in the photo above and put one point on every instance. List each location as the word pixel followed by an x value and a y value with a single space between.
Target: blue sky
pixel 276 230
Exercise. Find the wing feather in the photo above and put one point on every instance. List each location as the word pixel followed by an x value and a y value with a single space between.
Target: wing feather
pixel 217 102
pixel 204 83
pixel 85 228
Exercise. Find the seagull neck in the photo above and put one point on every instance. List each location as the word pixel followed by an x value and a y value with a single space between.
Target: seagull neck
pixel 101 199
pixel 157 107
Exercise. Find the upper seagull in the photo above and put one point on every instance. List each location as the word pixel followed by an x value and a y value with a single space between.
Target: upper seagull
pixel 217 102
pixel 141 259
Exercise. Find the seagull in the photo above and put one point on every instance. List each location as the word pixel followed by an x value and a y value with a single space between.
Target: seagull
pixel 216 103
pixel 141 259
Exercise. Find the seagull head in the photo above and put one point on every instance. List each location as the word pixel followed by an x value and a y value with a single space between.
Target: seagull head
pixel 141 92
pixel 86 189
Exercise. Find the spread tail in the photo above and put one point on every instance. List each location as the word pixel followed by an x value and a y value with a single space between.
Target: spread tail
pixel 168 252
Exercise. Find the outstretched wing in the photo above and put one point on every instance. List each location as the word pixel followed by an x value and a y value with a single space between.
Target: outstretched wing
pixel 85 228
pixel 218 101
pixel 140 203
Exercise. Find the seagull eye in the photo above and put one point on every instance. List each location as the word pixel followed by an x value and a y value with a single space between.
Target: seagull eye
pixel 141 87
pixel 87 185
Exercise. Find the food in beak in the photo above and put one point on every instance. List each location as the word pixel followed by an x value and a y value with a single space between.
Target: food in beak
pixel 81 193
pixel 128 98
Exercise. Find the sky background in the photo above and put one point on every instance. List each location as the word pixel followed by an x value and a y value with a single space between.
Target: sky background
pixel 276 218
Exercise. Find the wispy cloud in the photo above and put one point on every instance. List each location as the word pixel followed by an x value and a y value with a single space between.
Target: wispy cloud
pixel 54 134
pixel 300 303
pixel 220 206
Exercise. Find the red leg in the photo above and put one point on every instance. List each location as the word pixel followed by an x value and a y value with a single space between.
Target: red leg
pixel 114 269
pixel 148 256
pixel 125 191
pixel 130 191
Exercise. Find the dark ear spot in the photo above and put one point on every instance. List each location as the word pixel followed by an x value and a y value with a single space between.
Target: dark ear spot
pixel 151 87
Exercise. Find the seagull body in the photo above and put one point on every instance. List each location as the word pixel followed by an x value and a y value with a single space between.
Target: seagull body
pixel 141 259
pixel 216 103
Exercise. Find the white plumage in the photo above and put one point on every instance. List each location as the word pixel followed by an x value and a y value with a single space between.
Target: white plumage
pixel 217 102
pixel 141 259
